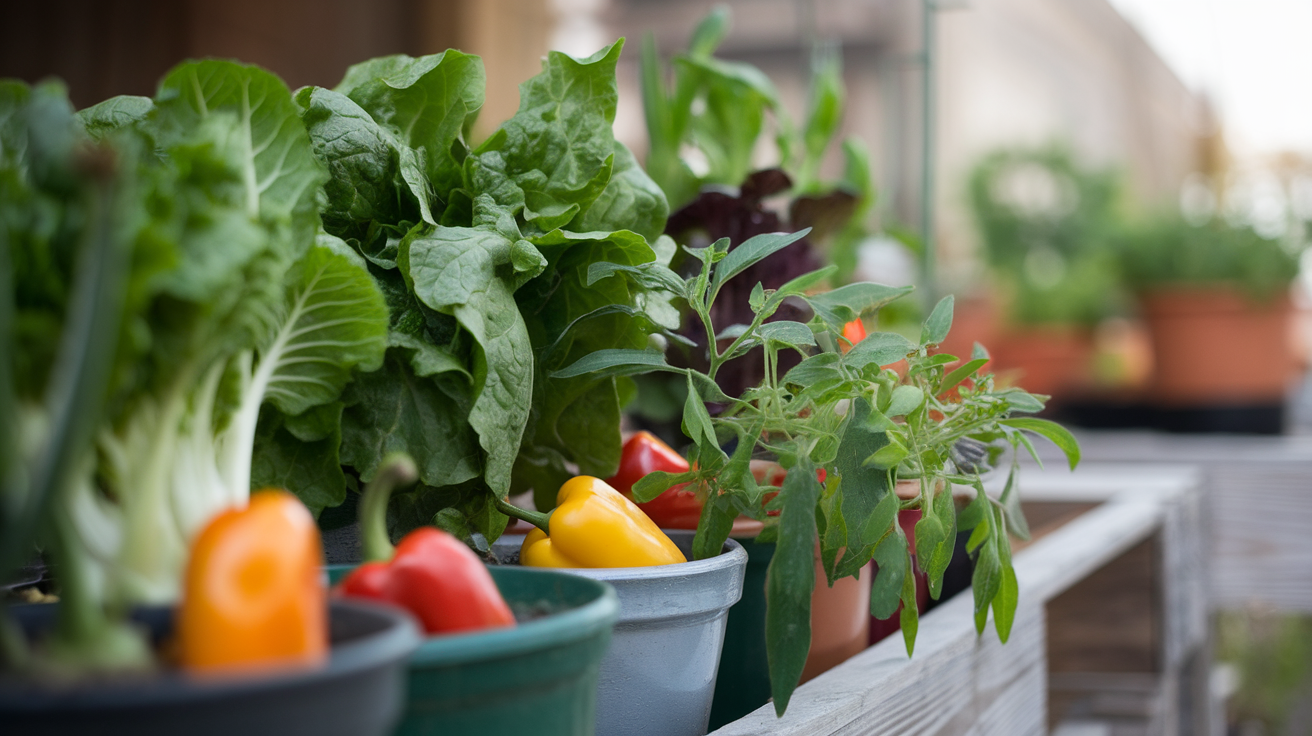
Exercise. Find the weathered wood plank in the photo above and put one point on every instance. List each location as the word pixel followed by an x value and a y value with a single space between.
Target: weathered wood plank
pixel 1110 621
pixel 959 683
pixel 1258 508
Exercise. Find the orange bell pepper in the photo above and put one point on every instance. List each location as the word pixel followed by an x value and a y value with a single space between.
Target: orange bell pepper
pixel 253 596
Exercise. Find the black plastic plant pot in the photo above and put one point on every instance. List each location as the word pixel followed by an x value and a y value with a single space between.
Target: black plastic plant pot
pixel 538 677
pixel 359 691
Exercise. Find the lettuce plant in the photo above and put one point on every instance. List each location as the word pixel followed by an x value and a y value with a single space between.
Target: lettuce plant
pixel 483 253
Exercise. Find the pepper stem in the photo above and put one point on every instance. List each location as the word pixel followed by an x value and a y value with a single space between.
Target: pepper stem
pixel 536 518
pixel 397 469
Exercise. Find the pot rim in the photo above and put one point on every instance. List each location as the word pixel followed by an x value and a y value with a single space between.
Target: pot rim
pixel 731 553
pixel 397 636
pixel 557 629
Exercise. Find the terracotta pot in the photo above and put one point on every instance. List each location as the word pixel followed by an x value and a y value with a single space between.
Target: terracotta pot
pixel 1048 359
pixel 1212 345
pixel 840 619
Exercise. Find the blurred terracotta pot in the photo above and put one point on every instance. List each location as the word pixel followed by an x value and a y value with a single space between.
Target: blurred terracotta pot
pixel 1213 345
pixel 1048 359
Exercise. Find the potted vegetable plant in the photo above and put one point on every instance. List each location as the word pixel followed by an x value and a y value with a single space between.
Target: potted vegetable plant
pixel 728 199
pixel 666 651
pixel 148 253
pixel 506 645
pixel 1209 284
pixel 482 253
pixel 862 424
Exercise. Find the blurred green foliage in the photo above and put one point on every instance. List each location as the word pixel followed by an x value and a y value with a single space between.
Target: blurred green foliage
pixel 1167 250
pixel 1273 655
pixel 1047 225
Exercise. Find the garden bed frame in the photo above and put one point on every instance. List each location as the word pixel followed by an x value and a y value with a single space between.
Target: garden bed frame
pixel 1111 628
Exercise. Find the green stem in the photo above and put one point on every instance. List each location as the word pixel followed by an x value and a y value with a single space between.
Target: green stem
pixel 397 469
pixel 536 518
pixel 717 358
pixel 88 637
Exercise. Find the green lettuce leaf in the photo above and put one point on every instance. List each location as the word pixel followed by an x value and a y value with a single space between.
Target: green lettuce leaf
pixel 428 105
pixel 456 271
pixel 557 154
pixel 117 112
pixel 365 182
pixel 393 409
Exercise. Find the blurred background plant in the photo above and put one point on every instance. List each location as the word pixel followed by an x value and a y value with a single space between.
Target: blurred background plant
pixel 1271 656
pixel 1046 223
pixel 1171 250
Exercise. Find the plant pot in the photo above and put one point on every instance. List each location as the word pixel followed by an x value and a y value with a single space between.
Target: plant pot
pixel 357 693
pixel 660 673
pixel 744 682
pixel 840 619
pixel 1215 347
pixel 541 673
pixel 1050 359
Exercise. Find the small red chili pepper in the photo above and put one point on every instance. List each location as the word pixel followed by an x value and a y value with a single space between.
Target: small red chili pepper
pixel 853 332
pixel 643 453
pixel 430 573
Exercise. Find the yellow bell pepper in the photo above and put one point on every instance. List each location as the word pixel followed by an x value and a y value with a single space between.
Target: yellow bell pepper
pixel 594 525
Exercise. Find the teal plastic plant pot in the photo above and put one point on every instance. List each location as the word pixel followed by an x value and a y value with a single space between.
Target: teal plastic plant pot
pixel 539 676
pixel 744 681
pixel 659 677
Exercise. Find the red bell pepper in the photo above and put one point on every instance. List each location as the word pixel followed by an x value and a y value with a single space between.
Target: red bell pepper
pixel 643 453
pixel 676 508
pixel 430 573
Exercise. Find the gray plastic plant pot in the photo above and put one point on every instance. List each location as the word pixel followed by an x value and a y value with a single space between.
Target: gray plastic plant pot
pixel 658 678
pixel 358 692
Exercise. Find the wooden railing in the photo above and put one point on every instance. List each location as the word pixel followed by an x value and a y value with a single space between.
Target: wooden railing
pixel 1111 629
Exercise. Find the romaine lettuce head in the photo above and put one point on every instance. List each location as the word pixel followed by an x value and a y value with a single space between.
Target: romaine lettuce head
pixel 483 254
